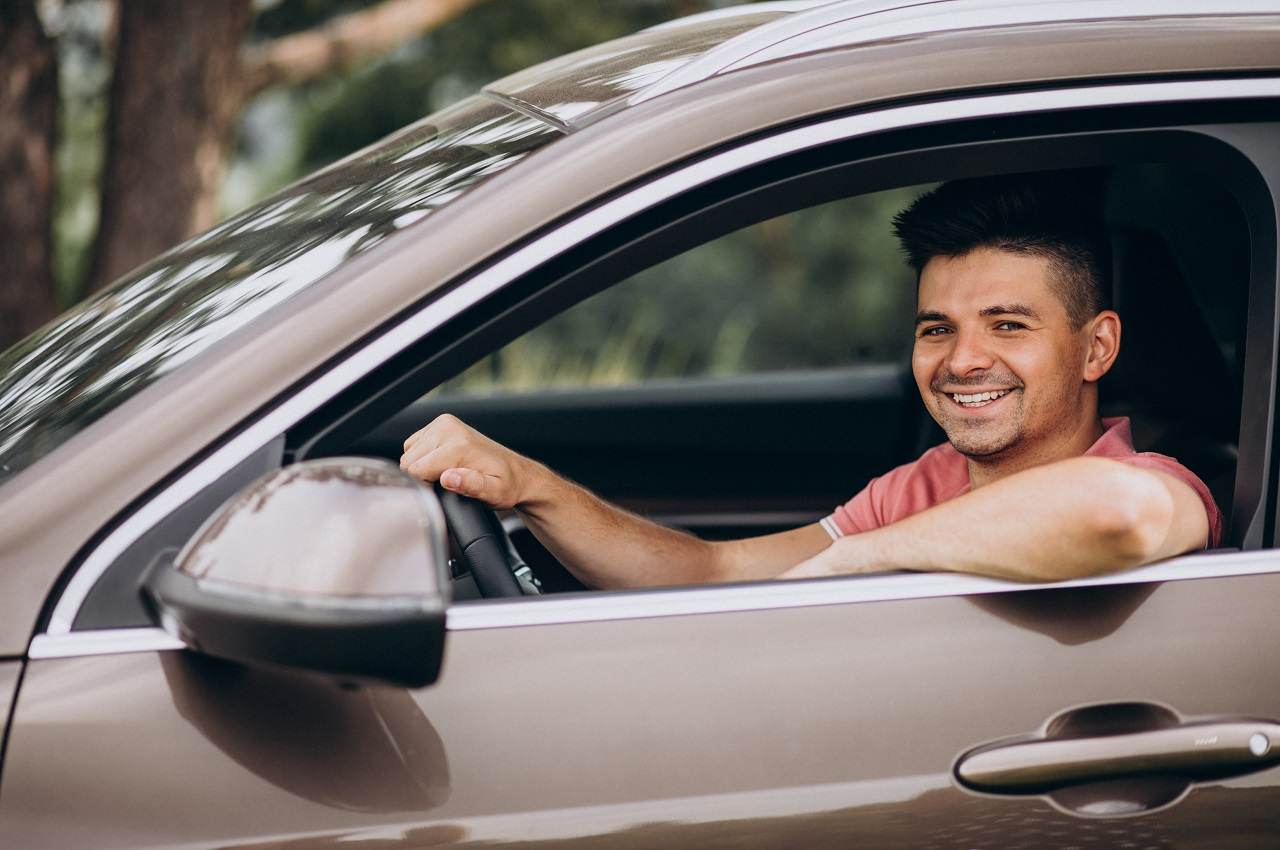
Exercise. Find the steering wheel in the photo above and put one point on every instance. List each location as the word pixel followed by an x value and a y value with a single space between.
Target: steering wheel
pixel 486 548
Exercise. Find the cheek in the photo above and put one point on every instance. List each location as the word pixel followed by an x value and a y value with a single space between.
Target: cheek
pixel 1048 371
pixel 923 368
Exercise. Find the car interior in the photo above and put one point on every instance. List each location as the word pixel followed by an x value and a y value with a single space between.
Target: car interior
pixel 736 453
pixel 703 453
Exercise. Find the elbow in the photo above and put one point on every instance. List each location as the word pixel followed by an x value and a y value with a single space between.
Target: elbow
pixel 1130 515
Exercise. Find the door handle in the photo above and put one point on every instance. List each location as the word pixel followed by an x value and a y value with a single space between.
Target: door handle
pixel 1136 755
pixel 1195 751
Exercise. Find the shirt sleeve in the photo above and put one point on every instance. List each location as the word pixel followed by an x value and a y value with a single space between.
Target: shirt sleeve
pixel 854 516
pixel 1169 466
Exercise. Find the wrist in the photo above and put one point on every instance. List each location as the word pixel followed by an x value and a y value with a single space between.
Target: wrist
pixel 535 483
pixel 852 555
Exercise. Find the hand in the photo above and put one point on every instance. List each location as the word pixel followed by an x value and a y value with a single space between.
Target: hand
pixel 468 463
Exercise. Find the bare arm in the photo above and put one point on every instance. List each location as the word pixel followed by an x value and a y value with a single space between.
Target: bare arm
pixel 1055 522
pixel 601 544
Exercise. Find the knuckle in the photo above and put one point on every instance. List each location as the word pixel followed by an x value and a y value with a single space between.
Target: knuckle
pixel 413 438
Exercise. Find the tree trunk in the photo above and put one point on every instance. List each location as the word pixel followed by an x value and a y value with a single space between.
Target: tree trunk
pixel 28 110
pixel 175 100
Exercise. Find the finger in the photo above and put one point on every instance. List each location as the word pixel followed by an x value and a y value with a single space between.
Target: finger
pixel 417 452
pixel 470 482
pixel 442 426
pixel 430 465
pixel 429 444
pixel 418 436
pixel 411 439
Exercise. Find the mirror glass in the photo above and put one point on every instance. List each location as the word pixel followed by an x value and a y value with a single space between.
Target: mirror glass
pixel 335 527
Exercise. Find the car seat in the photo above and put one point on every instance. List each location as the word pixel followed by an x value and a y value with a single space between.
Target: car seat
pixel 1172 378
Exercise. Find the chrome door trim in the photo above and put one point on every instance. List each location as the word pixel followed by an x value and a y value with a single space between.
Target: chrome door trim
pixel 601 607
pixel 586 225
pixel 102 642
pixel 842 590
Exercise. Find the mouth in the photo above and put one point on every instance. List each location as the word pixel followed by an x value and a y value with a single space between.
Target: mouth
pixel 980 399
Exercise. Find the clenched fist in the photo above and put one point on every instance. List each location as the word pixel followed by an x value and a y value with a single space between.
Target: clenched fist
pixel 467 462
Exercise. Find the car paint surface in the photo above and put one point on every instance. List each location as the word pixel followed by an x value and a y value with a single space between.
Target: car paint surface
pixel 10 674
pixel 50 519
pixel 616 735
pixel 578 88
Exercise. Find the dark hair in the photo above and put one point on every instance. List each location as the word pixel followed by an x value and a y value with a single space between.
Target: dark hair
pixel 1055 215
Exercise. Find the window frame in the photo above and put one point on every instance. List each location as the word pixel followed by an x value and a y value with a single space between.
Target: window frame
pixel 58 639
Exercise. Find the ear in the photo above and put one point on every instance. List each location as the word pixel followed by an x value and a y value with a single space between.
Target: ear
pixel 1103 335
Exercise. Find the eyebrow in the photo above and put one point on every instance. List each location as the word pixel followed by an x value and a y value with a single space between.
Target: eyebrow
pixel 1010 310
pixel 930 316
pixel 994 310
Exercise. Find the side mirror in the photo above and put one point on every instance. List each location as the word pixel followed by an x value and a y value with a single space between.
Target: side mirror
pixel 336 566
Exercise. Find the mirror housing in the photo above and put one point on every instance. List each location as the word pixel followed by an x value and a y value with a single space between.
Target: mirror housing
pixel 336 566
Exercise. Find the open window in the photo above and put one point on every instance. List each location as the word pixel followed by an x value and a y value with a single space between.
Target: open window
pixel 679 414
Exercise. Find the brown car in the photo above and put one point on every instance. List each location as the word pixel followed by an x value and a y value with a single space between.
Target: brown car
pixel 227 620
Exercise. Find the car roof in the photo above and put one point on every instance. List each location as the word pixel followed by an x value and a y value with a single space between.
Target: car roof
pixel 581 88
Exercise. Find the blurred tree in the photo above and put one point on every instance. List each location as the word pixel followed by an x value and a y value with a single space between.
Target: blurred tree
pixel 182 75
pixel 28 107
pixel 279 88
pixel 169 134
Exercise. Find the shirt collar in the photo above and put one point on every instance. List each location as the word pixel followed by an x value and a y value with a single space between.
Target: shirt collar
pixel 1117 439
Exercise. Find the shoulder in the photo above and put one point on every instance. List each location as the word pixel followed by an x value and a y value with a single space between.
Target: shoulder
pixel 1161 463
pixel 936 476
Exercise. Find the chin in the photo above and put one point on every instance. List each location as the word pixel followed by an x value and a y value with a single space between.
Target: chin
pixel 980 445
pixel 978 450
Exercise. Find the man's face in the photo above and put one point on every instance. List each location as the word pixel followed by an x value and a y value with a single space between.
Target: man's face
pixel 996 359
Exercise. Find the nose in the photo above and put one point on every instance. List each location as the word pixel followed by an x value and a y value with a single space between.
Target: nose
pixel 968 354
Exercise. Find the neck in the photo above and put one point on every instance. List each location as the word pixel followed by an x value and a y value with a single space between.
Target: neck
pixel 1063 444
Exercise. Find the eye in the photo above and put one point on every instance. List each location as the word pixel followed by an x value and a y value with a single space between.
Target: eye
pixel 1010 325
pixel 934 330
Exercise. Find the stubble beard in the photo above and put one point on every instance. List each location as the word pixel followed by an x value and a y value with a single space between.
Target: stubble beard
pixel 982 439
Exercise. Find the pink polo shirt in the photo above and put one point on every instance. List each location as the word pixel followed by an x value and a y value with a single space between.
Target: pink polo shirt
pixel 942 473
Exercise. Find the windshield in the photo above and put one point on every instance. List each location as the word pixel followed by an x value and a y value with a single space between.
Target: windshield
pixel 94 357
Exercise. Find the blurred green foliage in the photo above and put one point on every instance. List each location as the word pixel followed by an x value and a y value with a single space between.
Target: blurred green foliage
pixel 332 117
pixel 287 133
pixel 819 288
pixel 814 289
pixel 84 75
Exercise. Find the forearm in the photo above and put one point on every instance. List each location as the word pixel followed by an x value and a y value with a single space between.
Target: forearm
pixel 1059 521
pixel 605 546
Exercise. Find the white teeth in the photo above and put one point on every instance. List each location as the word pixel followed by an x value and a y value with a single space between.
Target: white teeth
pixel 978 399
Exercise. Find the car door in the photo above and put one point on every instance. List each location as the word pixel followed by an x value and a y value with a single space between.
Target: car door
pixel 826 712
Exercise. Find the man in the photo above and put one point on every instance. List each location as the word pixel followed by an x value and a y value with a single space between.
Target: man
pixel 1012 335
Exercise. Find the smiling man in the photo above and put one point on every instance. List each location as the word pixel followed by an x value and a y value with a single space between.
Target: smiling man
pixel 1012 335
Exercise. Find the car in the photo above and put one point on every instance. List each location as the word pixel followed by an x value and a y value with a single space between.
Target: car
pixel 228 620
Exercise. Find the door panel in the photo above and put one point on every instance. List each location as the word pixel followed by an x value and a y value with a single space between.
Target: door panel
pixel 784 442
pixel 10 674
pixel 823 726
